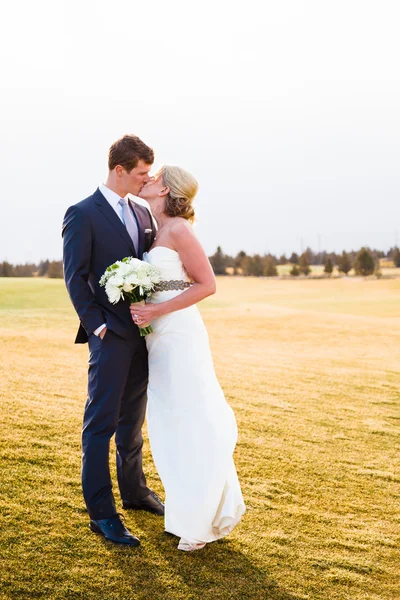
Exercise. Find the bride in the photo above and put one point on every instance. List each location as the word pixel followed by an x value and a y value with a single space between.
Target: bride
pixel 192 429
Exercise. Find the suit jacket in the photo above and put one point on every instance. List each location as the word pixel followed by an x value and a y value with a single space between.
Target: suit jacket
pixel 94 237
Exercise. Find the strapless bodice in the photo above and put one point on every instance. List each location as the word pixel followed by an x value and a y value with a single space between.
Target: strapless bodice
pixel 171 267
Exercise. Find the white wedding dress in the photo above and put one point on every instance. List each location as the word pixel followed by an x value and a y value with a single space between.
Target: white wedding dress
pixel 192 429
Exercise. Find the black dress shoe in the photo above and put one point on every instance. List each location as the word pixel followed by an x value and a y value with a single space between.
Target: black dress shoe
pixel 114 530
pixel 151 503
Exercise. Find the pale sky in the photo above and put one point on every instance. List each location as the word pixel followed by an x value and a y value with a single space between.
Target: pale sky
pixel 286 111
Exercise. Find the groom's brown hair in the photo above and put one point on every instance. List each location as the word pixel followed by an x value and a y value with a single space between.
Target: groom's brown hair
pixel 127 151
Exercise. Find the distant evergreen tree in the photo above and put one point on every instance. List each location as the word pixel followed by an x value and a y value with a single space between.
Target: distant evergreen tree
pixel 304 265
pixel 270 269
pixel 294 259
pixel 218 262
pixel 396 257
pixel 364 264
pixel 282 260
pixel 229 261
pixel 328 267
pixel 272 257
pixel 43 268
pixel 55 270
pixel 6 269
pixel 295 271
pixel 344 263
pixel 239 260
pixel 254 266
pixel 311 257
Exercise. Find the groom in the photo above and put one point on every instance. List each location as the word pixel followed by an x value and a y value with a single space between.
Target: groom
pixel 98 231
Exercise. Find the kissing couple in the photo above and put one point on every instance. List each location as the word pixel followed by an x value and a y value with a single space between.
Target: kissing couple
pixel 192 429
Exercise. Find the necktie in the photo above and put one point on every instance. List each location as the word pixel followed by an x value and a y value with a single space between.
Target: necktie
pixel 130 224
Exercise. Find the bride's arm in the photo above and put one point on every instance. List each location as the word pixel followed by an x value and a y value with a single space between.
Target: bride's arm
pixel 197 266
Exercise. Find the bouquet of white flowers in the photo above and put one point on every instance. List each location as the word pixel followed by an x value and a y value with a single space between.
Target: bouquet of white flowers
pixel 132 279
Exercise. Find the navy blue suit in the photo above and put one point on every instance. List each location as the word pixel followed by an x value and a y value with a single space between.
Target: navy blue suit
pixel 94 238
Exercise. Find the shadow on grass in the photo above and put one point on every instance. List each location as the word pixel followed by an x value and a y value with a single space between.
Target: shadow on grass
pixel 220 571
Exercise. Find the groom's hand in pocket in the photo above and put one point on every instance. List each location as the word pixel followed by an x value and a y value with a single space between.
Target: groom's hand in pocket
pixel 103 333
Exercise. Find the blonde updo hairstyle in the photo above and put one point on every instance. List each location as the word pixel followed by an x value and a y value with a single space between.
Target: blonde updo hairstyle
pixel 182 190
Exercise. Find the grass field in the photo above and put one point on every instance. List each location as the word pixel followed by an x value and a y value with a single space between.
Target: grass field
pixel 311 369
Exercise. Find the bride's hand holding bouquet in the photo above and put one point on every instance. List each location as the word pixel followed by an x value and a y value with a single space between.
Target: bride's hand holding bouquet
pixel 134 280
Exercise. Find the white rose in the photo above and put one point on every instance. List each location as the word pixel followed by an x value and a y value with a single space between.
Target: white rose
pixel 117 280
pixel 142 273
pixel 124 269
pixel 135 262
pixel 132 279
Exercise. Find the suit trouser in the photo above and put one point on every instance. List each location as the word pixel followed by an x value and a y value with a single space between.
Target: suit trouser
pixel 116 404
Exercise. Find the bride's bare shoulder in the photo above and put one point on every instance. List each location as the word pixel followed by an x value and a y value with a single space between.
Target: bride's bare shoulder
pixel 182 235
pixel 180 226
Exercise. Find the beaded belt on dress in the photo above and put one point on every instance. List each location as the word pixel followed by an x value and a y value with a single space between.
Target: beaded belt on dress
pixel 172 284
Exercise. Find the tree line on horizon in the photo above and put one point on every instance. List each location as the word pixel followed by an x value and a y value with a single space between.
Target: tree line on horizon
pixel 364 262
pixel 45 268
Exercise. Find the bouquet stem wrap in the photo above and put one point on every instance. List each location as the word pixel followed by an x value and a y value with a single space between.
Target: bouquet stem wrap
pixel 146 328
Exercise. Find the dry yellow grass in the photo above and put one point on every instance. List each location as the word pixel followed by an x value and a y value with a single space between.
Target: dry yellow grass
pixel 311 369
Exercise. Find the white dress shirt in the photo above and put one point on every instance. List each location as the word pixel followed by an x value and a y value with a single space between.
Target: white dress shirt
pixel 113 199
